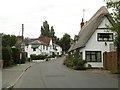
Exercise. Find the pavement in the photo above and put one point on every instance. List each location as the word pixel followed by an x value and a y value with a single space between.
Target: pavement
pixel 10 76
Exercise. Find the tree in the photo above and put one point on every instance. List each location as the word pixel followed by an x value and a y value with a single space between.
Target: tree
pixel 7 56
pixel 45 31
pixel 115 6
pixel 65 42
pixel 52 32
pixel 8 40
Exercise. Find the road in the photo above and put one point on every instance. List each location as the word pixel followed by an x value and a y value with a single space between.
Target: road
pixel 53 74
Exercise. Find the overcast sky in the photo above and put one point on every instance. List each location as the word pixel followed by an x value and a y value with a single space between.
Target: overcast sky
pixel 64 15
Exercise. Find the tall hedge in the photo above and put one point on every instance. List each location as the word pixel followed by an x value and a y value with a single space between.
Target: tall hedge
pixel 38 57
pixel 23 59
pixel 16 55
pixel 7 56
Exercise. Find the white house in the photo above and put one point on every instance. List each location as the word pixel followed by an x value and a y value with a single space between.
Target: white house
pixel 42 45
pixel 58 49
pixel 95 38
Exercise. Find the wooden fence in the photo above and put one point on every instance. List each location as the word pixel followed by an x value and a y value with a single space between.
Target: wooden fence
pixel 1 64
pixel 110 60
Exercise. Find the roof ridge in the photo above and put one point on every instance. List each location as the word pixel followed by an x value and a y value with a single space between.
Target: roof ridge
pixel 102 10
pixel 84 33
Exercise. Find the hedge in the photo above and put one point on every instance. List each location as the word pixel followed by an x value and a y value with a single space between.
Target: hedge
pixel 23 59
pixel 75 61
pixel 7 56
pixel 38 57
pixel 11 56
pixel 16 55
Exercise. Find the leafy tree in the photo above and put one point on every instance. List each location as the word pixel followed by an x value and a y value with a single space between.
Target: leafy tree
pixel 45 31
pixel 8 40
pixel 56 40
pixel 65 42
pixel 7 56
pixel 52 32
pixel 16 55
pixel 115 6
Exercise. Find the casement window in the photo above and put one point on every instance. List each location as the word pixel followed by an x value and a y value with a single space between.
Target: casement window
pixel 50 46
pixel 112 48
pixel 46 47
pixel 93 56
pixel 43 47
pixel 105 36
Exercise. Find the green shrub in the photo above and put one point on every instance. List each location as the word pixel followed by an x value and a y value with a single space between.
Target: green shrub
pixel 68 61
pixel 38 57
pixel 79 63
pixel 115 71
pixel 75 61
pixel 7 56
pixel 16 55
pixel 23 59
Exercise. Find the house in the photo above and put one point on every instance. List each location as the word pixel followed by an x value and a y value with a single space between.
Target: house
pixel 58 49
pixel 95 38
pixel 42 45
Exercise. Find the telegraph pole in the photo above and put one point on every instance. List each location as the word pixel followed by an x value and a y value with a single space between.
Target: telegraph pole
pixel 22 32
pixel 22 44
pixel 22 37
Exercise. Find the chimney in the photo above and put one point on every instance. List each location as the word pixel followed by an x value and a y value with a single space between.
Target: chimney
pixel 76 37
pixel 82 23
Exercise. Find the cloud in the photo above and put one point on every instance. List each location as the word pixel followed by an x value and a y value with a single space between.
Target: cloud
pixel 64 15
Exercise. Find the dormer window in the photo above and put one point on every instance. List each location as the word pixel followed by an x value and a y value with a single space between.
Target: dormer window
pixel 105 36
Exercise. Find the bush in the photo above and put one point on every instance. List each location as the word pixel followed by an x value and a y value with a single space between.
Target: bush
pixel 23 59
pixel 68 61
pixel 38 57
pixel 7 56
pixel 79 63
pixel 16 55
pixel 75 61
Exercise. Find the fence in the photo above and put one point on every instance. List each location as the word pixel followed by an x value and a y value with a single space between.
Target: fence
pixel 110 60
pixel 1 64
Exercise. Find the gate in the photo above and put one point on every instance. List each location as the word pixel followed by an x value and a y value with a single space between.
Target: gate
pixel 110 60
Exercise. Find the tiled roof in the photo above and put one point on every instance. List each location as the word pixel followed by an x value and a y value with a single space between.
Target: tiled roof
pixel 46 40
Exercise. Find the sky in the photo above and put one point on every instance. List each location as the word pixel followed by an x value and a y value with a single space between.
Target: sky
pixel 64 15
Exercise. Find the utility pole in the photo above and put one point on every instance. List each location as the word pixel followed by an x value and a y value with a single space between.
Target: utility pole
pixel 22 45
pixel 22 32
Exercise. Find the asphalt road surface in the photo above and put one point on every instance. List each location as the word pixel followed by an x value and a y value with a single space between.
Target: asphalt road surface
pixel 53 74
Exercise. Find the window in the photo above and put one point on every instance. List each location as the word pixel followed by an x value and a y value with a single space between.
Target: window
pixel 93 56
pixel 43 47
pixel 81 54
pixel 46 47
pixel 112 48
pixel 105 36
pixel 50 46
pixel 34 49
